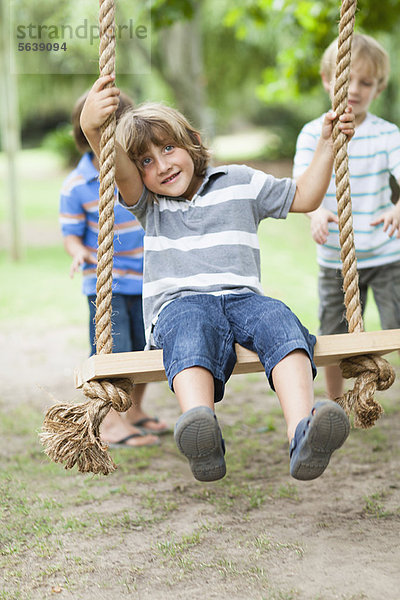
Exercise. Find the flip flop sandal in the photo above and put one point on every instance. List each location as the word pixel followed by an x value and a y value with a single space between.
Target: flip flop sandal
pixel 122 443
pixel 315 439
pixel 140 424
pixel 198 437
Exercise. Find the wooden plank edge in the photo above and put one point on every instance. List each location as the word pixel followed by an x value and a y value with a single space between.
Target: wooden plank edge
pixel 144 367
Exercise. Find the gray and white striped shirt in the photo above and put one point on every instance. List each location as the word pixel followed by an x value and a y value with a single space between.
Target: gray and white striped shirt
pixel 209 244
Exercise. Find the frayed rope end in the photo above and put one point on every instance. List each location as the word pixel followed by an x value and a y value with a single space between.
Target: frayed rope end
pixel 69 436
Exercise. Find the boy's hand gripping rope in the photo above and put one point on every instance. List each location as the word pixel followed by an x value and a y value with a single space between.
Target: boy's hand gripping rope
pixel 71 433
pixel 372 372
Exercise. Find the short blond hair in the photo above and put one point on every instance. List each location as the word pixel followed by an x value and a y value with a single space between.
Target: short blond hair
pixel 363 48
pixel 156 123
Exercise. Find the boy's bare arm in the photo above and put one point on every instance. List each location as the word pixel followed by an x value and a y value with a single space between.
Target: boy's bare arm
pixel 313 183
pixel 100 104
pixel 390 220
pixel 320 220
pixel 80 253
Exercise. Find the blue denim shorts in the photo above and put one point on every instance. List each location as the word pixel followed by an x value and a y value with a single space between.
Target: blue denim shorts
pixel 201 330
pixel 127 323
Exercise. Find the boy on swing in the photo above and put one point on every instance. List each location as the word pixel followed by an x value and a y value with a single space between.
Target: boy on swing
pixel 202 291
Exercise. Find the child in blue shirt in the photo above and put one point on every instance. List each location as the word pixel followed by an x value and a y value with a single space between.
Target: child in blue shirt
pixel 79 215
pixel 202 289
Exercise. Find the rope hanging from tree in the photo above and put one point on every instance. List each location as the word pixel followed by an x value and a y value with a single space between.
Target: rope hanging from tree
pixel 372 372
pixel 70 433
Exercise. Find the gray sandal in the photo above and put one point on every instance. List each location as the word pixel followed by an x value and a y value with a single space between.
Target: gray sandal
pixel 141 424
pixel 122 443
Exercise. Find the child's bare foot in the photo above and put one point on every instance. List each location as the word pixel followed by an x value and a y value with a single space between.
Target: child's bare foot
pixel 135 440
pixel 148 425
pixel 117 432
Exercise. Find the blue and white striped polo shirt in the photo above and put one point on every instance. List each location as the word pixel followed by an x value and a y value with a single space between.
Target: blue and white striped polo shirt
pixel 208 244
pixel 374 154
pixel 79 215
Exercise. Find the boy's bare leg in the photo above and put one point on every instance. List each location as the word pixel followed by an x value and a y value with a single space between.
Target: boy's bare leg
pixel 136 413
pixel 333 381
pixel 293 383
pixel 194 387
pixel 312 445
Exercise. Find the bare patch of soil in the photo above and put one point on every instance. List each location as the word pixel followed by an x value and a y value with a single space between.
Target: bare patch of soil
pixel 150 530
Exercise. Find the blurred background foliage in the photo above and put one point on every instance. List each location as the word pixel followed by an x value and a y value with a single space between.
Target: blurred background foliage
pixel 229 65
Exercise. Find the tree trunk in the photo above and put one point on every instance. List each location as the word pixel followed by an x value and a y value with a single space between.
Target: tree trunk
pixel 10 133
pixel 183 69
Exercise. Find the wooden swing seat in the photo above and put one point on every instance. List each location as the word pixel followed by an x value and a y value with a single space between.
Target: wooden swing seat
pixel 147 366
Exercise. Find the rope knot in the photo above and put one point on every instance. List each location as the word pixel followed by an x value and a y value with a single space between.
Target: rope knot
pixel 378 369
pixel 371 373
pixel 116 393
pixel 71 433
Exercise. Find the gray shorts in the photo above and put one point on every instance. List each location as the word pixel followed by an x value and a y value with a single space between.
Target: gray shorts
pixel 384 282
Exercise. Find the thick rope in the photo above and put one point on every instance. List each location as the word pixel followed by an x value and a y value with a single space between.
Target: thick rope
pixel 107 185
pixel 371 372
pixel 71 433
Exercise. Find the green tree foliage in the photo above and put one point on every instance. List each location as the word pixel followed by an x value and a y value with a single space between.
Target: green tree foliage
pixel 252 54
pixel 165 13
pixel 305 27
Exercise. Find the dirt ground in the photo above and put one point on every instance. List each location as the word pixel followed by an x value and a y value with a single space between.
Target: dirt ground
pixel 256 534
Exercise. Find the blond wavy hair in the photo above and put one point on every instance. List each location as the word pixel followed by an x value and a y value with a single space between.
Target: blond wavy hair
pixel 363 48
pixel 156 123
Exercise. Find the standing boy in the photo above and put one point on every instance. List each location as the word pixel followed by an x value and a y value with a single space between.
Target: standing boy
pixel 374 155
pixel 202 290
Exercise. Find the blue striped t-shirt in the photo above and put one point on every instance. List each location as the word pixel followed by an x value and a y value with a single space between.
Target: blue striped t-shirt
pixel 79 215
pixel 374 154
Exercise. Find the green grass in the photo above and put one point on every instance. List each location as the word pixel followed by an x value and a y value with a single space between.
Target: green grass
pixel 40 176
pixel 39 199
pixel 51 517
pixel 289 269
pixel 39 288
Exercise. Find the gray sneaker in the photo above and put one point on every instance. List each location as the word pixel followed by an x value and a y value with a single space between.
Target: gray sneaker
pixel 198 437
pixel 316 438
